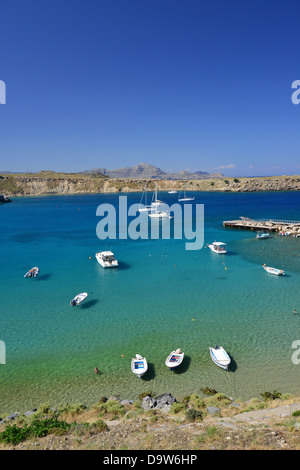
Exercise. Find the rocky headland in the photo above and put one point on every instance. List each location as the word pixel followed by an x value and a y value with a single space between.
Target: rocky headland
pixel 47 183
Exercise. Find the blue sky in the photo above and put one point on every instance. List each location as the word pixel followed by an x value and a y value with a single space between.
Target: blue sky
pixel 178 84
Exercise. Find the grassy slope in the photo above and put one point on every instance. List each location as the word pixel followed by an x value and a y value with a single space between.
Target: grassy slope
pixel 111 426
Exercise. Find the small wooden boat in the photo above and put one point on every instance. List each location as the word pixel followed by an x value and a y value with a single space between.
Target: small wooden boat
pixel 139 365
pixel 277 272
pixel 33 272
pixel 220 357
pixel 174 359
pixel 78 299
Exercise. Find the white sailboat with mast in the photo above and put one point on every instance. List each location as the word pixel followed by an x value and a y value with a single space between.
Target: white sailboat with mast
pixel 185 197
pixel 155 211
pixel 144 207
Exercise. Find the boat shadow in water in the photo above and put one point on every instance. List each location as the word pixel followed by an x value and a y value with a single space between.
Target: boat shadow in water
pixel 123 266
pixel 150 374
pixel 44 277
pixel 89 303
pixel 233 365
pixel 184 366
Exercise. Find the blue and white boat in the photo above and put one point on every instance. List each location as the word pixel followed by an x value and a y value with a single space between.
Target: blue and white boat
pixel 33 272
pixel 277 272
pixel 139 365
pixel 220 357
pixel 174 359
pixel 262 235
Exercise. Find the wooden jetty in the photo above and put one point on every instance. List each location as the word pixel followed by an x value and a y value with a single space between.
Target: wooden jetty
pixel 266 225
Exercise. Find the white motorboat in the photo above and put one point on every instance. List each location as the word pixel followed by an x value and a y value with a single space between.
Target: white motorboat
pixel 174 359
pixel 172 192
pixel 106 259
pixel 220 357
pixel 139 365
pixel 277 272
pixel 78 299
pixel 33 272
pixel 262 235
pixel 218 247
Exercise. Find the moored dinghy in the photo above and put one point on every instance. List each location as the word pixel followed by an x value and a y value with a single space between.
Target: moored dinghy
pixel 220 357
pixel 174 359
pixel 33 272
pixel 78 299
pixel 139 365
pixel 277 272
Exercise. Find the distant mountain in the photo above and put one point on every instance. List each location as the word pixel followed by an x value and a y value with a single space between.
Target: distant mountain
pixel 145 171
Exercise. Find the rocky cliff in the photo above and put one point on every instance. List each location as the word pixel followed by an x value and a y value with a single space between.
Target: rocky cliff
pixel 44 183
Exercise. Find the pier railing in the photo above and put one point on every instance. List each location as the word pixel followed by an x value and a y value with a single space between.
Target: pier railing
pixel 278 221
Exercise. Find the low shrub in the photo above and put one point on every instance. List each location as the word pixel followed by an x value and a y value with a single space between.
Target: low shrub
pixel 193 415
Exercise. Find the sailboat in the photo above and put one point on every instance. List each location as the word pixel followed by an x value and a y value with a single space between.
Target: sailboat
pixel 185 198
pixel 155 212
pixel 144 207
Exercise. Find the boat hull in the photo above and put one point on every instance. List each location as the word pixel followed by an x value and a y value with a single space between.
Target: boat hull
pixel 222 363
pixel 139 367
pixel 222 251
pixel 174 360
pixel 106 264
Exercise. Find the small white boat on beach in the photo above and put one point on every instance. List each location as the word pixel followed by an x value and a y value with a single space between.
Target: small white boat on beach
pixel 139 365
pixel 220 357
pixel 106 259
pixel 33 272
pixel 262 235
pixel 78 299
pixel 218 247
pixel 174 359
pixel 277 272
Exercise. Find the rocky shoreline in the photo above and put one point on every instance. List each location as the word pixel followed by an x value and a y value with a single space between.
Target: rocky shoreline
pixel 50 183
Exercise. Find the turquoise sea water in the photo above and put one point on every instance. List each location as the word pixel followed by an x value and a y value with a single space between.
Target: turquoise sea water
pixel 162 297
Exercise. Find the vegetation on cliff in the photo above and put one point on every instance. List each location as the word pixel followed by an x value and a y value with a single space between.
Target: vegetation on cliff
pixel 47 182
pixel 196 422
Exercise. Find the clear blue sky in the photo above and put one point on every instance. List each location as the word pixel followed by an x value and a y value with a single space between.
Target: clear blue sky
pixel 180 84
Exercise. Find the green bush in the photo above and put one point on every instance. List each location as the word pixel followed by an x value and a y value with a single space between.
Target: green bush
pixel 99 426
pixel 271 395
pixel 14 434
pixel 178 407
pixel 193 415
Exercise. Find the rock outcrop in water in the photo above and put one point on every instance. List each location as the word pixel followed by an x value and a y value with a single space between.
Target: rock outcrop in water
pixel 4 199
